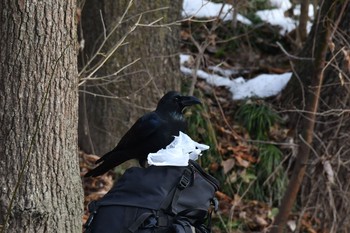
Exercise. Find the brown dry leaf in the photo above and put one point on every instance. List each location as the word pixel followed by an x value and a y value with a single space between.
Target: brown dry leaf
pixel 237 200
pixel 214 167
pixel 247 156
pixel 212 49
pixel 346 61
pixel 331 46
pixel 94 187
pixel 227 165
pixel 222 196
pixel 212 38
pixel 230 132
pixel 241 162
pixel 309 221
pixel 275 70
pixel 185 35
pixel 224 202
pixel 232 178
pixel 308 226
pixel 260 221
pixel 243 215
pixel 244 152
pixel 222 149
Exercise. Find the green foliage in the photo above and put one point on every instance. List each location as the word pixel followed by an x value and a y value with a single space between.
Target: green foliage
pixel 249 8
pixel 256 5
pixel 200 129
pixel 272 180
pixel 258 119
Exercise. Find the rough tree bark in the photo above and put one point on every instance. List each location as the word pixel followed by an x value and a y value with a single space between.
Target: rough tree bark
pixel 39 173
pixel 322 191
pixel 103 120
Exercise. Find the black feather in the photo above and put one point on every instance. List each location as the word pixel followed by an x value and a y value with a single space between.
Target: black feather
pixel 150 133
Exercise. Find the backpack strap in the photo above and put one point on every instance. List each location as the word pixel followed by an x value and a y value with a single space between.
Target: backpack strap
pixel 139 221
pixel 184 182
pixel 93 207
pixel 159 220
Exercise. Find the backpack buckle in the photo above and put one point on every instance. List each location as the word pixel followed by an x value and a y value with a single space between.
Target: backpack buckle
pixel 185 180
pixel 215 203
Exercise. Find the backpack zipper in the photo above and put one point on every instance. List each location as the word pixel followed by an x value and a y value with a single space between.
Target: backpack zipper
pixel 208 177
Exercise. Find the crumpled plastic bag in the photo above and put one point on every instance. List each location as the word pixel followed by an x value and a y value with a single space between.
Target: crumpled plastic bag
pixel 178 152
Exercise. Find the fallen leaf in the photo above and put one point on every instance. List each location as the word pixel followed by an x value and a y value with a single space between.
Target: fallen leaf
pixel 260 221
pixel 227 165
pixel 241 162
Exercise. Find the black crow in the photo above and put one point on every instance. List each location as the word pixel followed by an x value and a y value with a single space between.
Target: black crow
pixel 150 133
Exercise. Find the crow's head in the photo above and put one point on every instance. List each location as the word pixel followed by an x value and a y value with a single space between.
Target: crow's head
pixel 175 102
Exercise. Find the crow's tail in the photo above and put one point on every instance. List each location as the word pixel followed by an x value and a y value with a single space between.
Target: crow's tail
pixel 99 170
pixel 107 162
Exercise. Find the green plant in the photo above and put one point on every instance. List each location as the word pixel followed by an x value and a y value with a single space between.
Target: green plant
pixel 258 119
pixel 273 177
pixel 201 130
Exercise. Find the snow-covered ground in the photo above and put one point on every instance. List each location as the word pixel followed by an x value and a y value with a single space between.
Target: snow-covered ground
pixel 207 9
pixel 263 85
pixel 276 16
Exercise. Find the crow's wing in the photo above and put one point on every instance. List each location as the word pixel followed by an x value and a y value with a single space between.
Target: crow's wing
pixel 141 130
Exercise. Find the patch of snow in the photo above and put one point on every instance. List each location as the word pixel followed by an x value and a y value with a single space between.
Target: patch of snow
pixel 208 9
pixel 296 10
pixel 212 79
pixel 276 17
pixel 262 86
pixel 281 4
pixel 224 72
pixel 184 58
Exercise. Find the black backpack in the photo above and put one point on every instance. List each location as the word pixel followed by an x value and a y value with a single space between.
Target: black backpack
pixel 156 199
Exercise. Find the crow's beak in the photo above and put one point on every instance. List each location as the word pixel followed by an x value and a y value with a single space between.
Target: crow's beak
pixel 189 100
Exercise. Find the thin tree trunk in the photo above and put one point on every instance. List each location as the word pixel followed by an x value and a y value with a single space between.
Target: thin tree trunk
pixel 109 106
pixel 39 173
pixel 312 76
pixel 304 17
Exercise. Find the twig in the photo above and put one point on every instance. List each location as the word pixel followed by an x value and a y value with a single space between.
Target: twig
pixel 107 76
pixel 111 52
pixel 103 25
pixel 201 49
pixel 236 136
pixel 292 56
pixel 105 41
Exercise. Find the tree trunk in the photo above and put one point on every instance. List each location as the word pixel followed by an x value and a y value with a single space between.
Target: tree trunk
pixel 39 173
pixel 119 99
pixel 323 194
pixel 304 17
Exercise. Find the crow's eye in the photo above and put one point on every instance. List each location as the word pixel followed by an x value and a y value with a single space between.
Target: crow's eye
pixel 176 98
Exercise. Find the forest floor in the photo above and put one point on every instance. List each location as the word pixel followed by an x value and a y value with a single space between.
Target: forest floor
pixel 248 199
